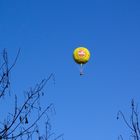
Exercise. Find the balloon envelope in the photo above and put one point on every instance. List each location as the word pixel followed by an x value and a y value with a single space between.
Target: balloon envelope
pixel 81 55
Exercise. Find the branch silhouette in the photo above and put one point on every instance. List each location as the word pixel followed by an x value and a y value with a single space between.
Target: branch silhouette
pixel 133 124
pixel 22 123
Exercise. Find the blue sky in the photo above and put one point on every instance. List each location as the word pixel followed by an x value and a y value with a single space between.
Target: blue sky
pixel 47 33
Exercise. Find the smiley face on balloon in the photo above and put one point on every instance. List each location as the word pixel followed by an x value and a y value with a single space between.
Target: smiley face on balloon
pixel 81 55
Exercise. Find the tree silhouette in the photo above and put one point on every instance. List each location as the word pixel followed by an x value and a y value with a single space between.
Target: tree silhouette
pixel 133 123
pixel 22 123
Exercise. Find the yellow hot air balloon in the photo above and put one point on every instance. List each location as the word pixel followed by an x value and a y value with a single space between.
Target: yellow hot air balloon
pixel 81 55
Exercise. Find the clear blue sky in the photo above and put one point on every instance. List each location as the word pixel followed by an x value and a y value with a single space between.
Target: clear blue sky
pixel 47 33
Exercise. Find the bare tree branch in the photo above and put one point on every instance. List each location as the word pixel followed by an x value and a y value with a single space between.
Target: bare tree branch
pixel 22 124
pixel 134 122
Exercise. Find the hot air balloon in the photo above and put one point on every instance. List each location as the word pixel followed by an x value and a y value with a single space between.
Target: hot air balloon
pixel 81 55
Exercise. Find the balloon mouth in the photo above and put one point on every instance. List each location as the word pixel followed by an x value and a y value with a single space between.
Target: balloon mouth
pixel 80 61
